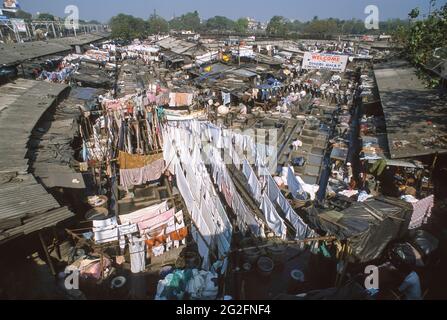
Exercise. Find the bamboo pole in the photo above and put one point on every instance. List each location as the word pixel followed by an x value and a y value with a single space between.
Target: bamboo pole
pixel 44 247
pixel 296 242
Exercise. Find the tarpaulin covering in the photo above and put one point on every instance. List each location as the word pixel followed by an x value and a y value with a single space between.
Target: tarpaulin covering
pixel 367 233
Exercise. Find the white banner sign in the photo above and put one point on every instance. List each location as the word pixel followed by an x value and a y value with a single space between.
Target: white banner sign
pixel 19 24
pixel 326 61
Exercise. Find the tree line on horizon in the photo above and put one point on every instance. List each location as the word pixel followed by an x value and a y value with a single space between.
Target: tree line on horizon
pixel 128 27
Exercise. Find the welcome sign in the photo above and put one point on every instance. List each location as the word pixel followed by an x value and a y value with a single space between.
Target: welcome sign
pixel 332 62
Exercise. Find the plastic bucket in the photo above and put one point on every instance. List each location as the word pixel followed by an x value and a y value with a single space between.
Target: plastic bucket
pixel 246 266
pixel 277 252
pixel 296 280
pixel 98 201
pixel 252 255
pixel 265 266
pixel 118 288
pixel 97 214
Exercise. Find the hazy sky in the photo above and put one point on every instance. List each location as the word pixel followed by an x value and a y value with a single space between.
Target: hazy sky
pixel 261 10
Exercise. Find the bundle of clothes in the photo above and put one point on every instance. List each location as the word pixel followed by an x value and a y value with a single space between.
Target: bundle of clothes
pixel 188 284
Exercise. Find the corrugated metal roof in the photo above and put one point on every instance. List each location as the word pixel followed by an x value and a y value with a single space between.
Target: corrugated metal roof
pixel 48 219
pixel 23 103
pixel 25 205
pixel 18 201
pixel 43 221
pixel 16 53
pixel 175 45
pixel 82 39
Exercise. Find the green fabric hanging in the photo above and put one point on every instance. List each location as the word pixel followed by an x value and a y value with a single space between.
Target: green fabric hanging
pixel 378 167
pixel 325 251
pixel 160 112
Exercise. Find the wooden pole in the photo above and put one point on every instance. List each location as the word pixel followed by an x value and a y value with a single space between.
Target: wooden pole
pixel 56 243
pixel 242 294
pixel 296 242
pixel 44 247
pixel 102 265
pixel 54 30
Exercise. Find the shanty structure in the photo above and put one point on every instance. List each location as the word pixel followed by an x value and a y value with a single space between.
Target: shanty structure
pixel 368 227
pixel 25 205
pixel 17 53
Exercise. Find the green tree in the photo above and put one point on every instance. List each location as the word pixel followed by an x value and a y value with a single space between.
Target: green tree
pixel 188 21
pixel 219 23
pixel 241 25
pixel 295 26
pixel 157 24
pixel 391 25
pixel 321 27
pixel 192 20
pixel 20 14
pixel 176 24
pixel 277 26
pixel 422 37
pixel 45 17
pixel 414 13
pixel 128 27
pixel 94 22
pixel 353 26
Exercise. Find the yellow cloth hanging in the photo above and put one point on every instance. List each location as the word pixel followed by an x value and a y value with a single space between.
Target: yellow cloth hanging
pixel 135 161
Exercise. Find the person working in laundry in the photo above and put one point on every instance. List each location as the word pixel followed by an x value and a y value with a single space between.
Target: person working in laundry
pixel 296 144
pixel 411 287
pixel 348 172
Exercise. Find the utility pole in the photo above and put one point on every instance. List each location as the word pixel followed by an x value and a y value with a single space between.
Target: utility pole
pixel 17 33
pixel 54 30
pixel 27 31
pixel 239 52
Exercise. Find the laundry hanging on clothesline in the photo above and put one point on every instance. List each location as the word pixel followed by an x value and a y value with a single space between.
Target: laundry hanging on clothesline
pixel 295 187
pixel 208 132
pixel 303 231
pixel 226 98
pixel 152 171
pixel 253 182
pixel 199 199
pixel 157 227
pixel 274 221
pixel 177 99
pixel 135 161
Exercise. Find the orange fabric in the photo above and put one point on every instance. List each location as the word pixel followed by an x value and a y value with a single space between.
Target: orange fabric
pixel 179 234
pixel 150 243
pixel 136 161
pixel 155 242
pixel 181 99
